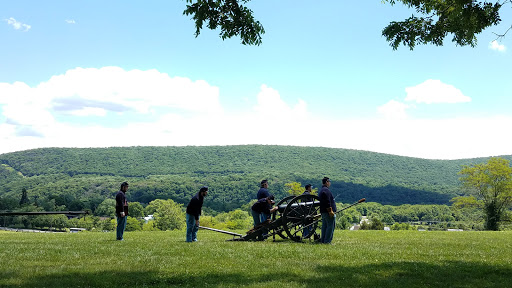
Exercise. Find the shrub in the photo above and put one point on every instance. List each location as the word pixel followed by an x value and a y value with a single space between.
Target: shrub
pixel 132 224
pixel 149 226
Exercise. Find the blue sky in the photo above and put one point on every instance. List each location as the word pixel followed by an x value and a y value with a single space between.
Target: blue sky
pixel 128 73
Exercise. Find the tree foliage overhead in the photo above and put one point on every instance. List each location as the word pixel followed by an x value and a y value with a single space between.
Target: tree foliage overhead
pixel 230 16
pixel 465 19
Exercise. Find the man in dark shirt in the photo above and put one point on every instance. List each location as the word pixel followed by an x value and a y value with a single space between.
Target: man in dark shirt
pixel 328 211
pixel 193 213
pixel 262 206
pixel 121 210
pixel 308 188
pixel 263 193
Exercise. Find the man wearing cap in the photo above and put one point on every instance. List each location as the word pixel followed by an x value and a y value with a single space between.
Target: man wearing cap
pixel 193 213
pixel 262 206
pixel 308 188
pixel 121 210
pixel 328 211
pixel 263 193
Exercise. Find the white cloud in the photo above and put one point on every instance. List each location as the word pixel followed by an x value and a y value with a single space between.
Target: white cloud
pixel 98 93
pixel 435 91
pixel 393 110
pixel 22 108
pixel 142 108
pixel 117 90
pixel 427 138
pixel 88 111
pixel 17 25
pixel 270 103
pixel 70 21
pixel 494 45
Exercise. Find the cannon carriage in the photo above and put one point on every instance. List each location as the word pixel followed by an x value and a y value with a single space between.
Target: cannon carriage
pixel 297 218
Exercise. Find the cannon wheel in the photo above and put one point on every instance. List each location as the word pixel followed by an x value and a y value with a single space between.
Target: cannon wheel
pixel 277 215
pixel 297 216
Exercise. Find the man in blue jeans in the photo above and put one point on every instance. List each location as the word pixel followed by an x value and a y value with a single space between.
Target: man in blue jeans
pixel 328 211
pixel 193 214
pixel 263 193
pixel 121 210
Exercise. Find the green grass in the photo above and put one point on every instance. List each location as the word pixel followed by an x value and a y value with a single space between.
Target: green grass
pixel 163 259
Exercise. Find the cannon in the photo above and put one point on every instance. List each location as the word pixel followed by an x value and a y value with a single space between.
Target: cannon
pixel 297 218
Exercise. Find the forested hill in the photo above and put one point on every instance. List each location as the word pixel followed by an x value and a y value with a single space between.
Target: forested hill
pixel 86 175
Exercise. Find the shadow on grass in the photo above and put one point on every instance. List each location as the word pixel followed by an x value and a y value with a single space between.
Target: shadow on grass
pixel 391 274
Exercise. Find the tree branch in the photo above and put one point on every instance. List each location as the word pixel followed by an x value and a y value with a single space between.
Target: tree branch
pixel 499 36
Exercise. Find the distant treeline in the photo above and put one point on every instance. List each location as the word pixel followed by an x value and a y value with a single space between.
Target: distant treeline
pixel 81 178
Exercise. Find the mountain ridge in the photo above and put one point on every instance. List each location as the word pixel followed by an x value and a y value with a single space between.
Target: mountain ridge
pixel 233 172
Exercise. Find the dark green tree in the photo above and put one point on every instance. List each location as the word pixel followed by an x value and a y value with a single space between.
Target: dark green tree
pixel 136 210
pixel 7 203
pixel 24 198
pixel 376 224
pixel 76 205
pixel 107 208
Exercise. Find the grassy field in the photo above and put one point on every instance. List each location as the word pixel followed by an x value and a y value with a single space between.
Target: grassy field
pixel 163 259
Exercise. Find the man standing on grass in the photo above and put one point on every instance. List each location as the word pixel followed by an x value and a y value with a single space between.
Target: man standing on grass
pixel 121 210
pixel 193 213
pixel 263 193
pixel 328 211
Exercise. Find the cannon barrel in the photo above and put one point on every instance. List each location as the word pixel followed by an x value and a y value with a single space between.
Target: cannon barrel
pixel 315 204
pixel 295 205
